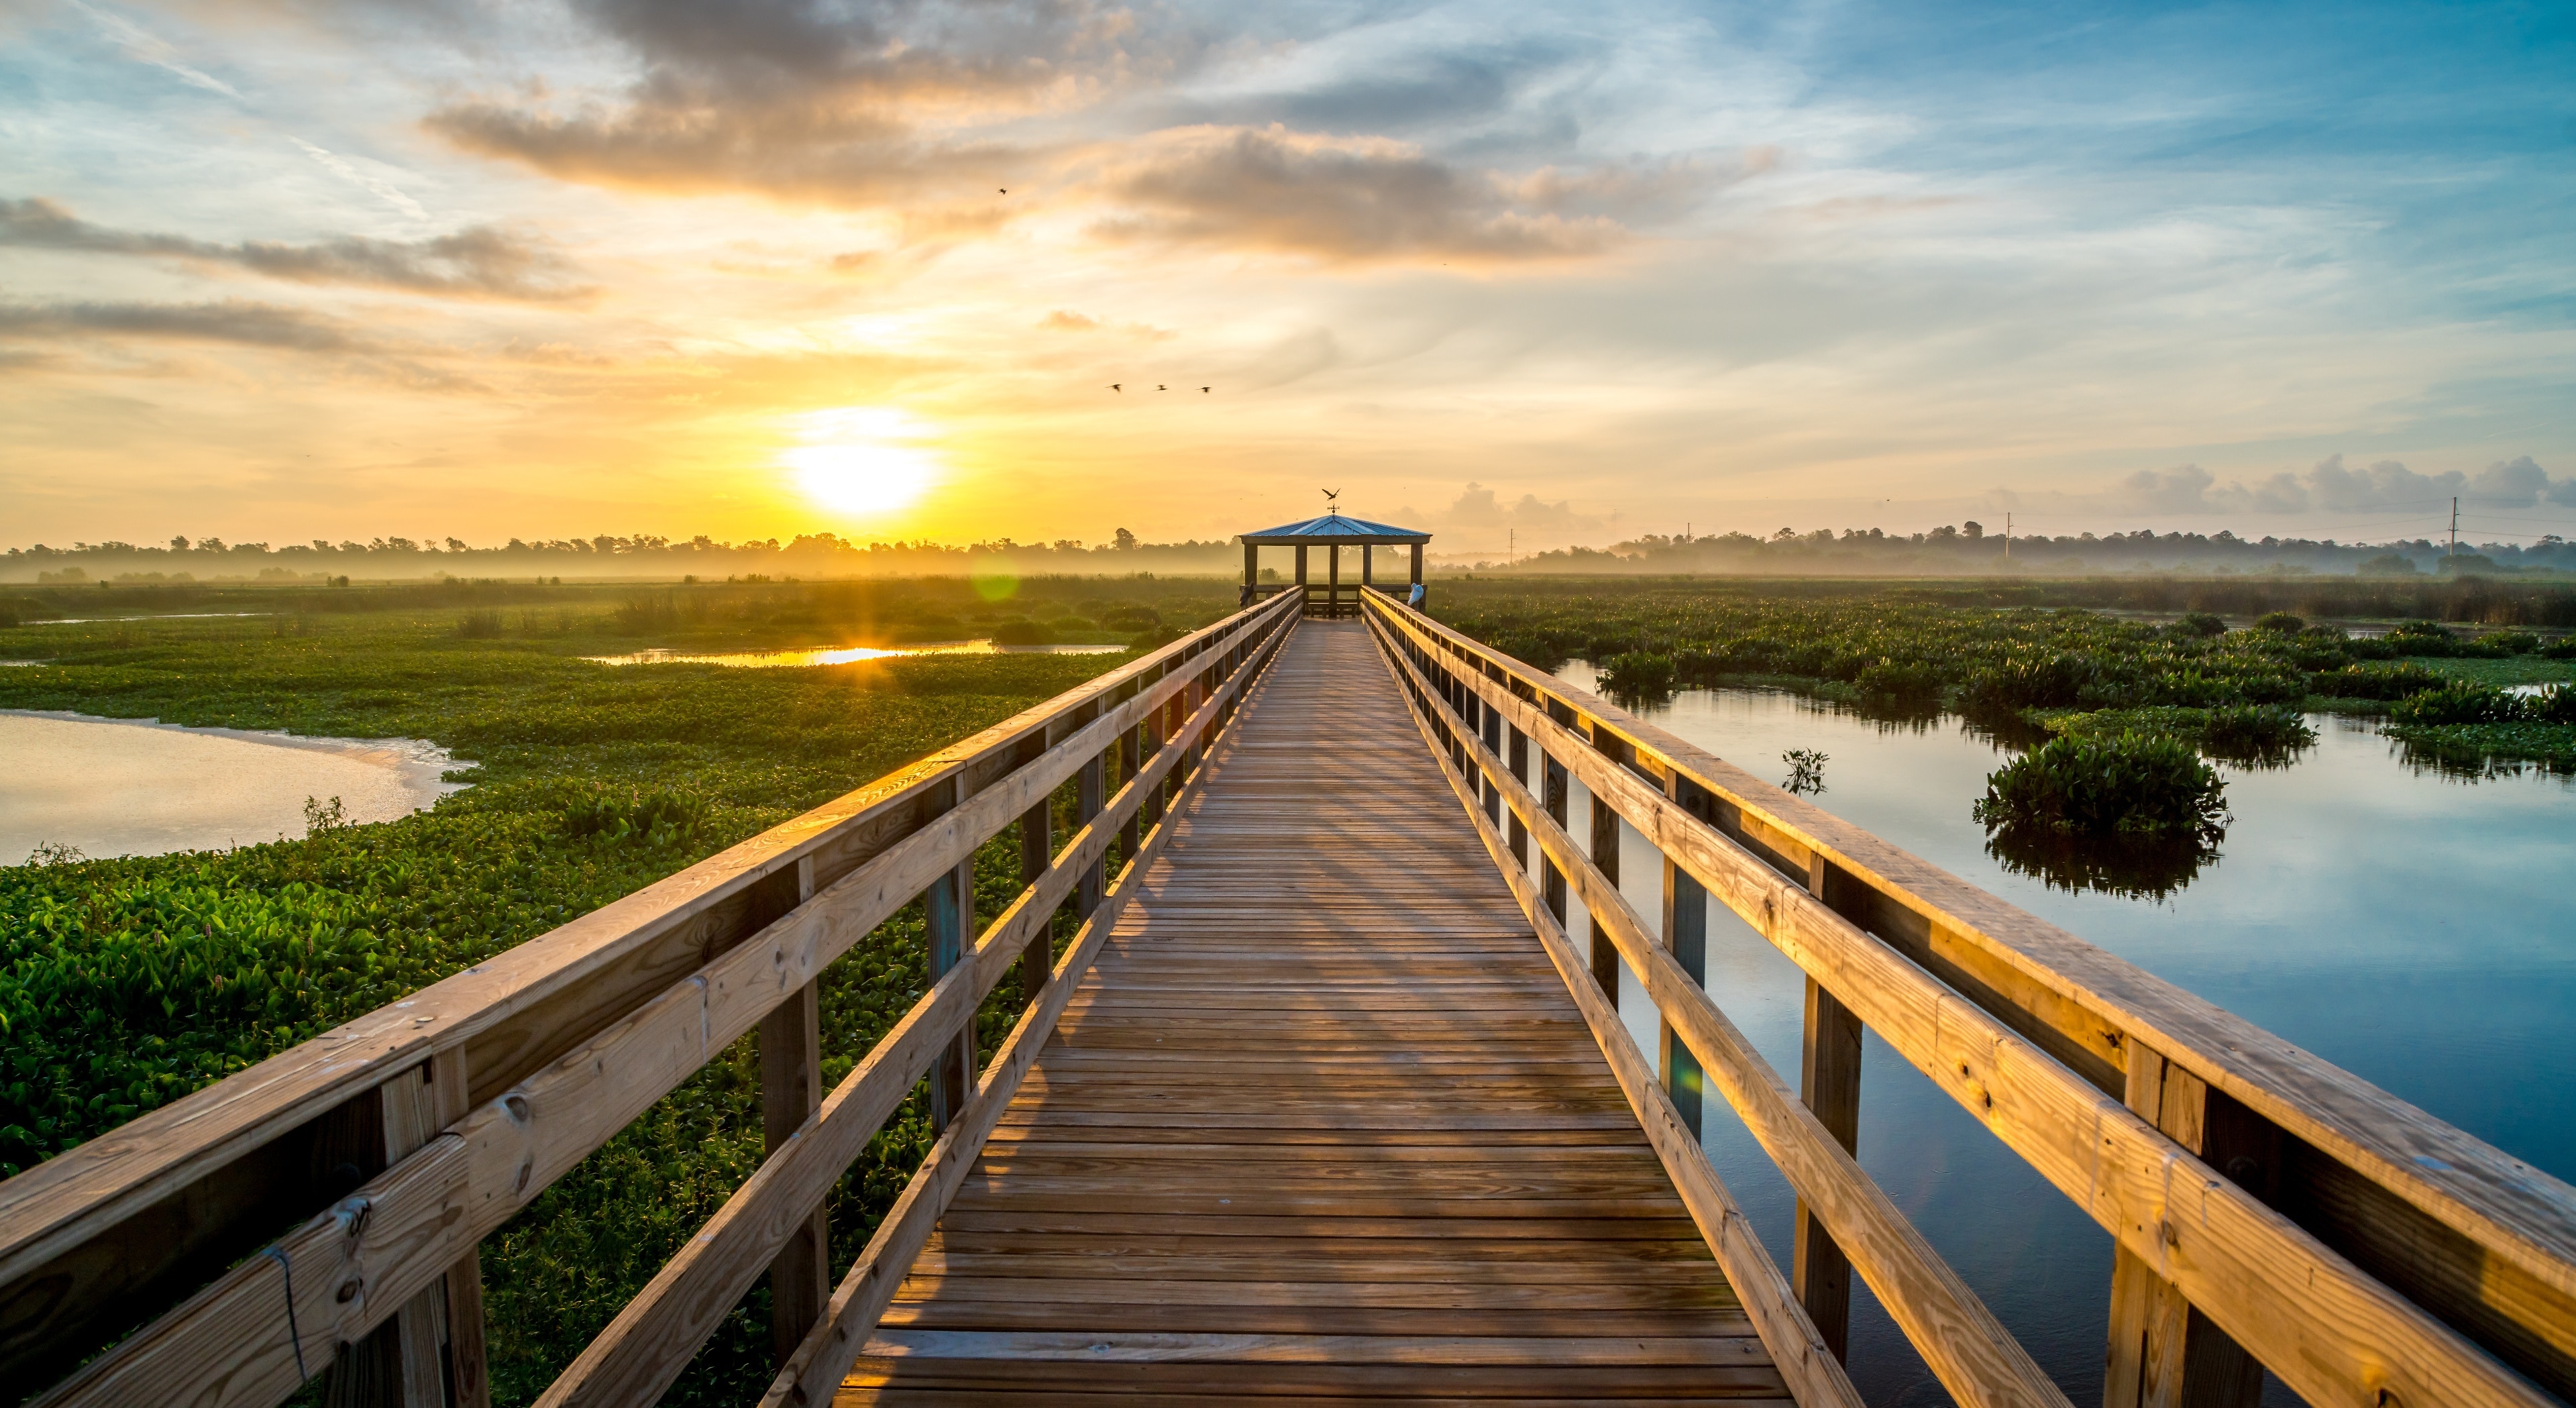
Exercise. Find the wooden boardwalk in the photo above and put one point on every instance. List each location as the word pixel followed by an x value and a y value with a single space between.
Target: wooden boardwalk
pixel 1321 1122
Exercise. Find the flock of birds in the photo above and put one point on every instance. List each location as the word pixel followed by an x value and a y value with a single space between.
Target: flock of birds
pixel 1121 387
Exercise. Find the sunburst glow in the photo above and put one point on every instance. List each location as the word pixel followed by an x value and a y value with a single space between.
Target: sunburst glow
pixel 862 460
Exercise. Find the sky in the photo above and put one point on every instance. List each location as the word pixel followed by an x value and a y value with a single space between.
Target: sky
pixel 273 270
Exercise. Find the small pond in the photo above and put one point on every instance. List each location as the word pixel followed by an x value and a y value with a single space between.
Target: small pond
pixel 2416 926
pixel 117 787
pixel 845 655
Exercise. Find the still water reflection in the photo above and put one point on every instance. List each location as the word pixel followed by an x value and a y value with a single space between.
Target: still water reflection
pixel 2416 927
pixel 844 655
pixel 116 787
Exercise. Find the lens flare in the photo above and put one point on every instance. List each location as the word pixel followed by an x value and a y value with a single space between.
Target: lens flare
pixel 855 460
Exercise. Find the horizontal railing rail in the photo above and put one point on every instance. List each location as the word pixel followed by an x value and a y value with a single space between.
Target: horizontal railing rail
pixel 454 1108
pixel 2270 1209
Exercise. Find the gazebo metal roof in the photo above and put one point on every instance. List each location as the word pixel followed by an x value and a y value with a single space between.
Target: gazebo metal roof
pixel 1335 528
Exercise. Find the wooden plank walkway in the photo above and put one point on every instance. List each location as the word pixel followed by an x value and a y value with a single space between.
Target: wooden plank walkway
pixel 1321 1122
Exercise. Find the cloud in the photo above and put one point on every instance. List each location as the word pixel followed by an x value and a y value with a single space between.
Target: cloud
pixel 142 46
pixel 1347 200
pixel 1480 509
pixel 250 324
pixel 811 99
pixel 376 186
pixel 1065 320
pixel 2332 486
pixel 235 322
pixel 477 262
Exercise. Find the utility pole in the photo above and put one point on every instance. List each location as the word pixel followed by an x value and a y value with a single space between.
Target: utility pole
pixel 2007 537
pixel 2455 529
pixel 1512 548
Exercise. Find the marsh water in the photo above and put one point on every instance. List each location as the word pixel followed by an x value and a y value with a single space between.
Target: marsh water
pixel 2415 926
pixel 117 787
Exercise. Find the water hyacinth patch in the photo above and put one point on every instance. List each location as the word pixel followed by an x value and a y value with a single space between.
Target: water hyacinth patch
pixel 2458 703
pixel 2128 784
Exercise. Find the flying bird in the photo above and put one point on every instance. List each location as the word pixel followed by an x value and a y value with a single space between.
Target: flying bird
pixel 1332 494
pixel 1006 190
pixel 1162 388
pixel 1118 387
pixel 1204 388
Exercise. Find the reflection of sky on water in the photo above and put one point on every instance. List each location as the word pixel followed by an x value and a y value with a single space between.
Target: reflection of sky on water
pixel 844 655
pixel 2412 925
pixel 112 787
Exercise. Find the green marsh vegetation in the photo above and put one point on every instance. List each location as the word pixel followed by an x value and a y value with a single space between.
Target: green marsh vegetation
pixel 126 983
pixel 2117 692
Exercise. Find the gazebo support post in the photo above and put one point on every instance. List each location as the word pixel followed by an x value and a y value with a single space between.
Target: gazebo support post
pixel 1417 564
pixel 1301 578
pixel 1251 574
pixel 1368 565
pixel 1333 582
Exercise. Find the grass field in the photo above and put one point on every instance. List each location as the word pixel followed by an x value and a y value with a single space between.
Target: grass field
pixel 127 983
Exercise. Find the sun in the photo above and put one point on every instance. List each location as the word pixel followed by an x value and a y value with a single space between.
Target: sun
pixel 859 459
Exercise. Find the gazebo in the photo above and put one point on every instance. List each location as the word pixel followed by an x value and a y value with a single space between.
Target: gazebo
pixel 1332 532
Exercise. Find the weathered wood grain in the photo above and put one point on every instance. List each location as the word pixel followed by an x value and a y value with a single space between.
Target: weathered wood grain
pixel 1303 1116
pixel 2485 1239
pixel 1960 1340
pixel 2334 1333
pixel 654 1337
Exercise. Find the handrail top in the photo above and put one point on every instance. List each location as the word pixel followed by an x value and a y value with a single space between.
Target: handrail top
pixel 2501 1202
pixel 150 1155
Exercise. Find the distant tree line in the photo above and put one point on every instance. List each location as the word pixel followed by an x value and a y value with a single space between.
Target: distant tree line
pixel 1968 548
pixel 1964 549
pixel 811 555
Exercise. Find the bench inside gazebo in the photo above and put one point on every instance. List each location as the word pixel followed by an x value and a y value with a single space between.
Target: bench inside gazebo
pixel 1332 532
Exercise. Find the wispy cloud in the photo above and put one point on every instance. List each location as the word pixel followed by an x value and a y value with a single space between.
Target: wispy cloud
pixel 477 262
pixel 377 186
pixel 239 323
pixel 232 320
pixel 142 46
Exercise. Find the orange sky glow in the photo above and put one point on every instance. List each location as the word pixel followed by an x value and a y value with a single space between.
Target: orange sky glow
pixel 278 271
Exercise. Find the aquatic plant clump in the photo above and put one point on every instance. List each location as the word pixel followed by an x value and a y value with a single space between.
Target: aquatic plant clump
pixel 1638 674
pixel 2462 702
pixel 2130 784
pixel 2254 731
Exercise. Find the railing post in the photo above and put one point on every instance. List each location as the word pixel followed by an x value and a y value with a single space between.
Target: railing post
pixel 791 1090
pixel 1151 807
pixel 1037 854
pixel 1553 797
pixel 1685 933
pixel 1492 733
pixel 437 1336
pixel 2164 1353
pixel 1518 761
pixel 1089 791
pixel 1131 757
pixel 949 906
pixel 1605 858
pixel 1829 1082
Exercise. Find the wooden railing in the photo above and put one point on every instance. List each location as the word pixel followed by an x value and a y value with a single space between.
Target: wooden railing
pixel 2270 1210
pixel 384 1151
pixel 1332 601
